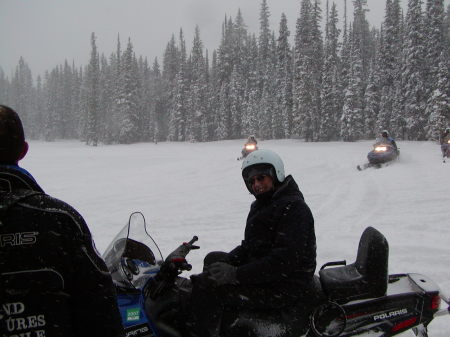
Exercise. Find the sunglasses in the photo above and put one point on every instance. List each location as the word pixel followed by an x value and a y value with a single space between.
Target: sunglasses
pixel 259 178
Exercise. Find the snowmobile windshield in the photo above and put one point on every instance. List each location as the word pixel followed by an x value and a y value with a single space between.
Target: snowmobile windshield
pixel 133 256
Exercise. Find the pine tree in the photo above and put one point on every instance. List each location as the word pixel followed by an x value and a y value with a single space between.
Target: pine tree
pixel 440 101
pixel 22 94
pixel 434 32
pixel 330 83
pixel 4 87
pixel 236 104
pixel 223 113
pixel 158 104
pixel 413 78
pixel 51 89
pixel 198 89
pixel 435 46
pixel 263 44
pixel 352 113
pixel 283 82
pixel 178 106
pixel 389 60
pixel 307 72
pixel 361 34
pixel 372 102
pixel 93 93
pixel 128 98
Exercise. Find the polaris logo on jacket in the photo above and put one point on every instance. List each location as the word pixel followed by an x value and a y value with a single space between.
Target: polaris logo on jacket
pixel 18 239
pixel 390 314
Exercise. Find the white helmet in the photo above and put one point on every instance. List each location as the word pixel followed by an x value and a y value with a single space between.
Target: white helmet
pixel 263 157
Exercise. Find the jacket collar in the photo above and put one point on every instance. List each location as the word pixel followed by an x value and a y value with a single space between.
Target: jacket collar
pixel 13 177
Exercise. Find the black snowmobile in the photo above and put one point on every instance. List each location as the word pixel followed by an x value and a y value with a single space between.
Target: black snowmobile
pixel 359 299
pixel 381 154
pixel 249 147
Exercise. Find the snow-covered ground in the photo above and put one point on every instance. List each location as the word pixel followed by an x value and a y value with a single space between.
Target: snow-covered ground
pixel 196 188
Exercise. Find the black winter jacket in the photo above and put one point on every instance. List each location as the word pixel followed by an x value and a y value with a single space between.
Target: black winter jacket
pixel 279 247
pixel 52 280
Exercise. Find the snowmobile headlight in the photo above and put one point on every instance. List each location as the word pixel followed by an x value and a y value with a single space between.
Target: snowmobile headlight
pixel 448 141
pixel 250 147
pixel 381 148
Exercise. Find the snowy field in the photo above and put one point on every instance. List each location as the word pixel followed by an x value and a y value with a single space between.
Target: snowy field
pixel 196 188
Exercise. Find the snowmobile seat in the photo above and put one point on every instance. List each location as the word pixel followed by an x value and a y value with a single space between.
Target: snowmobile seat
pixel 367 277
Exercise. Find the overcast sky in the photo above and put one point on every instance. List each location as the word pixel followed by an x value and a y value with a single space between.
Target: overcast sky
pixel 47 32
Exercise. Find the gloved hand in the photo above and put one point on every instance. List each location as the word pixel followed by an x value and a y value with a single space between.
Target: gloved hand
pixel 223 273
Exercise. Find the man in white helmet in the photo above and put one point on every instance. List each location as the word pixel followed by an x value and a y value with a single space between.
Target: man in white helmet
pixel 274 265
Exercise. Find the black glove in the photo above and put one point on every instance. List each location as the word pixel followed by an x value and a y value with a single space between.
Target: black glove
pixel 223 273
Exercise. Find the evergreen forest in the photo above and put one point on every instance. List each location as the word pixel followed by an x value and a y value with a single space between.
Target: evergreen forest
pixel 331 79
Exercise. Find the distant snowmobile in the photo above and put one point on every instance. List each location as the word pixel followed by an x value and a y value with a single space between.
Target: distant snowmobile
pixel 249 147
pixel 445 150
pixel 382 154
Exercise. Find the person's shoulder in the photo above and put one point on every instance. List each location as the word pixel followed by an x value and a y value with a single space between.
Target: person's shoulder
pixel 54 207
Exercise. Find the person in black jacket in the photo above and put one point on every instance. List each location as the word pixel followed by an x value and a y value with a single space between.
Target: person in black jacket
pixel 274 265
pixel 52 280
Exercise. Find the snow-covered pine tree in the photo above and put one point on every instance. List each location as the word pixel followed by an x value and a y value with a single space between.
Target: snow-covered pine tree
pixel 439 103
pixel 352 113
pixel 39 108
pixel 372 101
pixel 361 33
pixel 330 89
pixel 158 106
pixel 93 94
pixel 236 103
pixel 317 68
pixel 283 82
pixel 146 96
pixel 128 98
pixel 434 42
pixel 51 88
pixel 223 113
pixel 106 100
pixel 435 45
pixel 65 127
pixel 389 65
pixel 251 93
pixel 225 61
pixel 4 88
pixel 22 94
pixel 345 57
pixel 412 73
pixel 269 118
pixel 447 29
pixel 263 45
pixel 306 89
pixel 178 105
pixel 250 123
pixel 198 90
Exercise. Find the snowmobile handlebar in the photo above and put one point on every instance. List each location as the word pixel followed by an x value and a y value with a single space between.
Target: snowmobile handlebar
pixel 176 261
pixel 174 264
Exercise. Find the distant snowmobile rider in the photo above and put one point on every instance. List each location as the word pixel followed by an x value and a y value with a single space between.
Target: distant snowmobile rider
pixel 249 146
pixel 445 143
pixel 388 139
pixel 274 265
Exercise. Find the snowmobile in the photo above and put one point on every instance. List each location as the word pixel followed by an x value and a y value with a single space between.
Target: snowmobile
pixel 445 150
pixel 358 299
pixel 381 154
pixel 248 148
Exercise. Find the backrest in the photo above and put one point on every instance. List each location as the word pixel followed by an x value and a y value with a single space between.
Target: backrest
pixel 372 259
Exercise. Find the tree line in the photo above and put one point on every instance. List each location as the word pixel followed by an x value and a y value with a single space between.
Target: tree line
pixel 346 81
